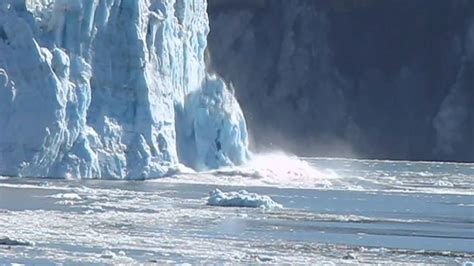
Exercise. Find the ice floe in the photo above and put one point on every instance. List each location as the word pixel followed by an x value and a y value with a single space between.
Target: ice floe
pixel 5 241
pixel 241 198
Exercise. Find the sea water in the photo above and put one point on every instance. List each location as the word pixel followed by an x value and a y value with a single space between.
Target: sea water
pixel 339 211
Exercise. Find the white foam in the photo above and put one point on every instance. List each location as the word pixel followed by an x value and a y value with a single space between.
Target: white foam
pixel 268 170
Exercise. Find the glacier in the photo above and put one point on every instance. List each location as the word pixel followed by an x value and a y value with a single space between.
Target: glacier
pixel 114 89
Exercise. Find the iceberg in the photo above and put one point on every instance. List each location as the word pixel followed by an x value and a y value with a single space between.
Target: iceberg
pixel 113 89
pixel 241 198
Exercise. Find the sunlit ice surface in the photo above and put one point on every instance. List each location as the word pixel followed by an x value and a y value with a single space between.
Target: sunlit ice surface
pixel 337 211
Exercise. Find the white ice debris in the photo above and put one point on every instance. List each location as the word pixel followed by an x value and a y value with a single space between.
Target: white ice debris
pixel 66 196
pixel 111 89
pixel 107 254
pixel 443 183
pixel 241 198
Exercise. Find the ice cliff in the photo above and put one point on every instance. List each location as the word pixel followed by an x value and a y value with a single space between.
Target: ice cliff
pixel 112 89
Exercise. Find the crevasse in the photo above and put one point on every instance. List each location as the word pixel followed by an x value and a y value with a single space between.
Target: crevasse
pixel 112 89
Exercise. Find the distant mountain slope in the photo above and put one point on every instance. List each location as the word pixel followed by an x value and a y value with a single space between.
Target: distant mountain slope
pixel 381 79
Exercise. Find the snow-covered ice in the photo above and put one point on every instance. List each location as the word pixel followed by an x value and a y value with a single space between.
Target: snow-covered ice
pixel 112 89
pixel 241 198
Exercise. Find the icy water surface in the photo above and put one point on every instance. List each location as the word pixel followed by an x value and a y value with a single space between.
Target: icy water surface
pixel 340 211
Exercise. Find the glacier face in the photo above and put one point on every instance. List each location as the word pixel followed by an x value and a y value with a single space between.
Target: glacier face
pixel 112 89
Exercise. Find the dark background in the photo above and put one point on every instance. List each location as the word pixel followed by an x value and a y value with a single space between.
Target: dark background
pixel 358 78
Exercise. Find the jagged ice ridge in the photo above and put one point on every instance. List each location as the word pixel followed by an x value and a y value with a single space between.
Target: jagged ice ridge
pixel 112 89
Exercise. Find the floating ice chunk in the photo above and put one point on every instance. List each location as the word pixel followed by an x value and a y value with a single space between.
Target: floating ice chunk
pixel 349 256
pixel 107 254
pixel 425 174
pixel 68 196
pixel 117 257
pixel 12 242
pixel 443 183
pixel 263 258
pixel 240 199
pixel 3 78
